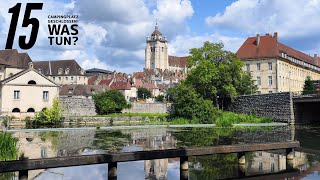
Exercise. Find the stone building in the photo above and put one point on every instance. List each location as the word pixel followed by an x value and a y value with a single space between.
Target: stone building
pixel 62 71
pixel 156 54
pixel 26 92
pixel 276 67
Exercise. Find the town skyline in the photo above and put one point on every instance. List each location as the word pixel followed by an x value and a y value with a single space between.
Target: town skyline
pixel 117 41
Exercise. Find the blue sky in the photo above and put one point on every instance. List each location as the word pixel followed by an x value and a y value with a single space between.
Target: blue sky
pixel 112 33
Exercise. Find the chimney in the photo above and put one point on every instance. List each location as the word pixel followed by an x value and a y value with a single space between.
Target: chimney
pixel 258 40
pixel 267 34
pixel 275 36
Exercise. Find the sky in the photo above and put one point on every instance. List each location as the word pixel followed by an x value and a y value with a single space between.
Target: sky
pixel 112 33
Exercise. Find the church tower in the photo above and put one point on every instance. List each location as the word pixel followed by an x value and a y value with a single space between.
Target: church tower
pixel 156 52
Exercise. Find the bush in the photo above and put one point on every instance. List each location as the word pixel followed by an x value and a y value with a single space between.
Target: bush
pixel 159 98
pixel 227 119
pixel 190 105
pixel 50 116
pixel 110 102
pixel 143 93
pixel 8 148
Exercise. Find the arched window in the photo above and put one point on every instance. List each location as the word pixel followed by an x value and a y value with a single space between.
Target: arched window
pixel 15 110
pixel 32 82
pixel 30 110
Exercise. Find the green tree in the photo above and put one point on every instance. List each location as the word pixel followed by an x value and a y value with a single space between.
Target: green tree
pixel 144 93
pixel 159 98
pixel 217 74
pixel 309 87
pixel 51 115
pixel 189 104
pixel 110 102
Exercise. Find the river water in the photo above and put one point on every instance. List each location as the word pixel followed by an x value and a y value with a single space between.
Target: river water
pixel 46 143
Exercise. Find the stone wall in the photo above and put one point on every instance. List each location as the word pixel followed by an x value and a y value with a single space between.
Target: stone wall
pixel 78 106
pixel 278 106
pixel 148 108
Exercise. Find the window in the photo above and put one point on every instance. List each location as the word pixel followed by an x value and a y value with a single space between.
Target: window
pixel 54 78
pixel 270 80
pixel 30 110
pixel 270 92
pixel 16 110
pixel 258 66
pixel 16 95
pixel 45 95
pixel 59 78
pixel 248 67
pixel 162 49
pixel 60 71
pixel 71 78
pixel 151 49
pixel 258 80
pixel 260 166
pixel 67 71
pixel 272 167
pixel 270 66
pixel 67 78
pixel 32 82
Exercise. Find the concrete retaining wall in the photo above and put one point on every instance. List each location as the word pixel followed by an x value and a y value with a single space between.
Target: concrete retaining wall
pixel 148 108
pixel 278 106
pixel 78 106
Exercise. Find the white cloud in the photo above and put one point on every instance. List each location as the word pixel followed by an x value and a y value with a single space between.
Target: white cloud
pixel 182 44
pixel 292 21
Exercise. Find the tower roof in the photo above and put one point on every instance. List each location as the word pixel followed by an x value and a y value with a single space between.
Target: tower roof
pixel 156 31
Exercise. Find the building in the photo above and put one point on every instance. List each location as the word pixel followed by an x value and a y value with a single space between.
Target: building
pixel 26 93
pixel 62 71
pixel 156 54
pixel 96 71
pixel 81 91
pixel 276 67
pixel 12 62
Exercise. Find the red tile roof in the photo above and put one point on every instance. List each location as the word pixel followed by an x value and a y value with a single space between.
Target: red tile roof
pixel 139 75
pixel 269 47
pixel 105 82
pixel 150 86
pixel 178 61
pixel 92 79
pixel 120 86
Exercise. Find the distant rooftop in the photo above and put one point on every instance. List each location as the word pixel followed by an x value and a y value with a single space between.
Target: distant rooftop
pixel 98 71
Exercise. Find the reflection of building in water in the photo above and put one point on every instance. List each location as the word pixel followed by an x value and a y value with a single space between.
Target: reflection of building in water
pixel 34 146
pixel 264 162
pixel 154 139
pixel 299 161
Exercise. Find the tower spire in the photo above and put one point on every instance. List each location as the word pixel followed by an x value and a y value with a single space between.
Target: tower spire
pixel 156 27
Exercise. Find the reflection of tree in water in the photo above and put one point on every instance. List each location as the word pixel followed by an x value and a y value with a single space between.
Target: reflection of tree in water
pixel 51 136
pixel 111 140
pixel 8 151
pixel 198 137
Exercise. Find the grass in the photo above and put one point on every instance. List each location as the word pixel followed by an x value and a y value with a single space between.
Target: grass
pixel 8 147
pixel 132 115
pixel 227 119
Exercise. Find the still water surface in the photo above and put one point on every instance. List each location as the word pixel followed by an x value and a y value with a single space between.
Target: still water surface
pixel 305 163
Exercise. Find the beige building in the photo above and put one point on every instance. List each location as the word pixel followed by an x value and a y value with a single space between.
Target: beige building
pixel 62 71
pixel 156 54
pixel 26 92
pixel 276 67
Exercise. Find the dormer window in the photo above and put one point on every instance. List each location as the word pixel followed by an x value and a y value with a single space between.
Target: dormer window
pixel 40 71
pixel 67 71
pixel 70 91
pixel 60 71
pixel 81 71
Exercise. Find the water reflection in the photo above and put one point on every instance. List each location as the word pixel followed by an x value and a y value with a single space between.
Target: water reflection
pixel 67 143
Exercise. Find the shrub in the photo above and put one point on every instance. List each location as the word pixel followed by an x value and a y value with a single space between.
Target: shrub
pixel 51 115
pixel 159 98
pixel 110 102
pixel 143 93
pixel 8 148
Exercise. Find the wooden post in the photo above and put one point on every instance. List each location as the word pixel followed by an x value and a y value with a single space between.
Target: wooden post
pixel 112 171
pixel 184 168
pixel 23 175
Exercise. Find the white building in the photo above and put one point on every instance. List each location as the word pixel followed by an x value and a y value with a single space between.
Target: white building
pixel 26 92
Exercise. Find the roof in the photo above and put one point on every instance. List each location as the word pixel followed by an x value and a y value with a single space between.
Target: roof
pixel 92 79
pixel 105 82
pixel 178 61
pixel 81 90
pixel 24 72
pixel 12 57
pixel 96 70
pixel 52 67
pixel 120 86
pixel 156 31
pixel 139 75
pixel 269 47
pixel 150 86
